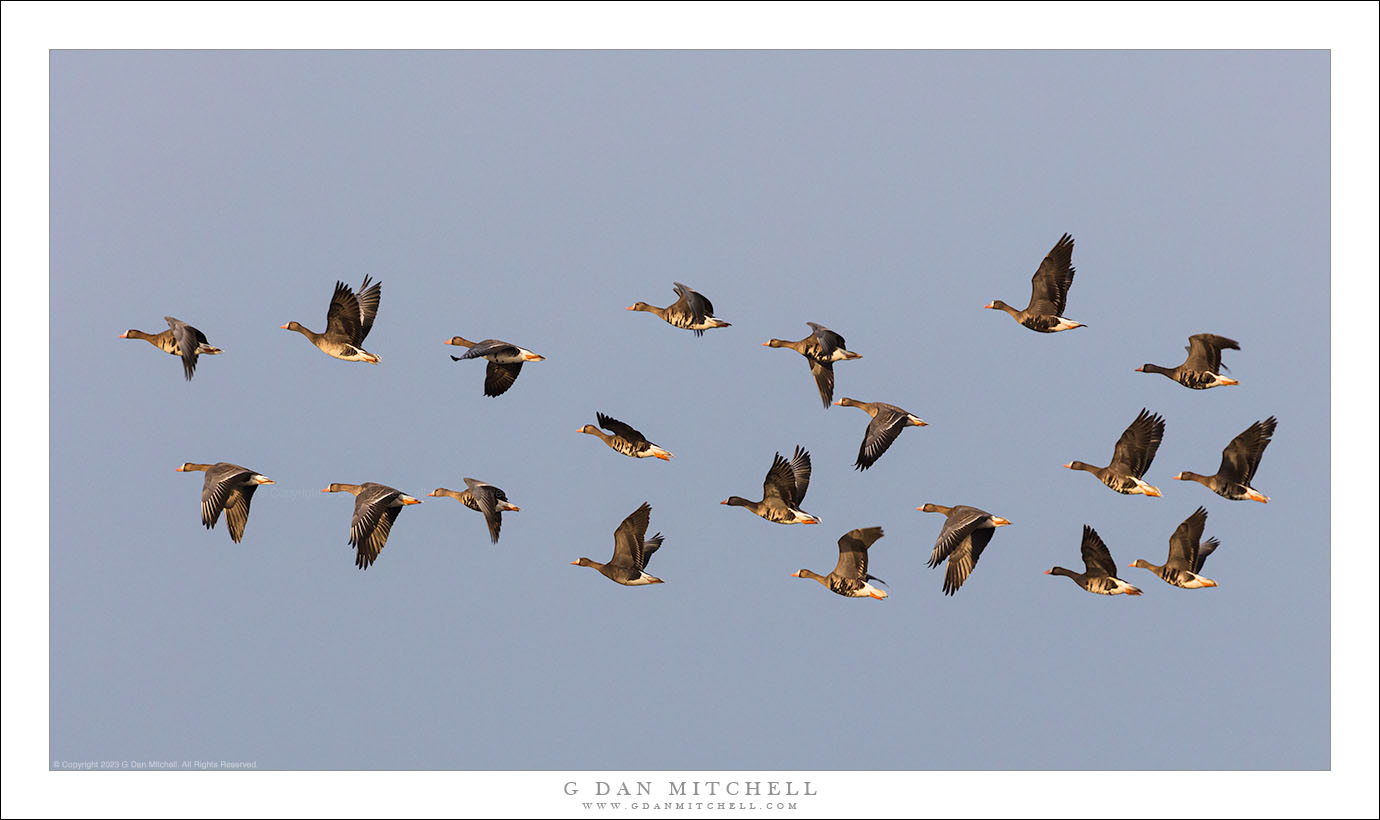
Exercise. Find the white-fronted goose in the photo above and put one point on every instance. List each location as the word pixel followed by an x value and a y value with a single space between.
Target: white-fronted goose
pixel 965 535
pixel 348 320
pixel 228 487
pixel 631 551
pixel 1239 460
pixel 887 422
pixel 850 578
pixel 505 361
pixel 821 349
pixel 691 311
pixel 180 339
pixel 484 498
pixel 376 508
pixel 1131 458
pixel 1199 370
pixel 625 439
pixel 1049 292
pixel 1099 575
pixel 1186 554
pixel 782 491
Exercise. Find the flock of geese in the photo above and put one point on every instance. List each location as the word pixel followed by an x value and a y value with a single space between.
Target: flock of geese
pixel 229 488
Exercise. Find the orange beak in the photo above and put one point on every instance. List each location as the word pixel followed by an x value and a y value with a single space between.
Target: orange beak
pixel 1000 522
pixel 989 304
pixel 123 336
pixel 632 307
pixel 282 327
pixel 1140 370
pixel 1049 572
pixel 574 563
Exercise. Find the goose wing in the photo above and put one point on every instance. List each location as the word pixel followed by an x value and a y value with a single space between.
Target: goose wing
pixel 368 306
pixel 1242 456
pixel 1183 544
pixel 1204 550
pixel 628 539
pixel 1049 287
pixel 960 522
pixel 618 428
pixel 1138 444
pixel 964 557
pixel 343 316
pixel 694 303
pixel 1097 559
pixel 221 481
pixel 852 564
pixel 823 371
pixel 1205 351
pixel 237 510
pixel 881 432
pixel 486 498
pixel 499 377
pixel 826 340
pixel 188 340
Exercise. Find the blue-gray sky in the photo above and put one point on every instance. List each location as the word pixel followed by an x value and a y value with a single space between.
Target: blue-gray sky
pixel 531 197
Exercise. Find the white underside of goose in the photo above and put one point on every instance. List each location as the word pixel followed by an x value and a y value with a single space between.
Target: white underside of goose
pixel 1120 587
pixel 869 591
pixel 522 355
pixel 355 354
pixel 709 323
pixel 1065 324
pixel 1142 488
pixel 1195 581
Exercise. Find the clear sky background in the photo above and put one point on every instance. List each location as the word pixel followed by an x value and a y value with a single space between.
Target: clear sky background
pixel 532 197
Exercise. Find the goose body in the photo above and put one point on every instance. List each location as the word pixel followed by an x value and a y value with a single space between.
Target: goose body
pixel 850 578
pixel 1240 459
pixel 487 499
pixel 376 508
pixel 180 339
pixel 1049 292
pixel 821 349
pixel 692 311
pixel 349 319
pixel 967 531
pixel 1186 554
pixel 888 421
pixel 1099 575
pixel 505 361
pixel 1200 370
pixel 783 490
pixel 1134 452
pixel 227 488
pixel 631 551
pixel 622 438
